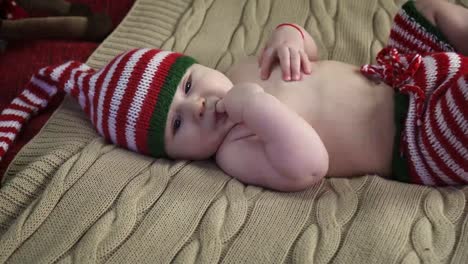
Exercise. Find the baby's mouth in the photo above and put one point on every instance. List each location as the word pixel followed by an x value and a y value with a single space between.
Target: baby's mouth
pixel 219 117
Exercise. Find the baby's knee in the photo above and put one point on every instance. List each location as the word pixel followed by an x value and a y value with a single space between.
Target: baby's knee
pixel 427 8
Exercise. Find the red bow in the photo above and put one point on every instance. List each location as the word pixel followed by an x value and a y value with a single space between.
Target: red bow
pixel 393 68
pixel 396 70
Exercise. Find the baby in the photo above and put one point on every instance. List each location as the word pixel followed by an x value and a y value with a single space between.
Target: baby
pixel 286 126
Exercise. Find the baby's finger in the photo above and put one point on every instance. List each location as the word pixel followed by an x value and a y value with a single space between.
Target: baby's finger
pixel 283 55
pixel 267 61
pixel 220 107
pixel 295 64
pixel 260 57
pixel 305 62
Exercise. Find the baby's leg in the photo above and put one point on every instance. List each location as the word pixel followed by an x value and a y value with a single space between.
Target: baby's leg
pixel 437 145
pixel 451 19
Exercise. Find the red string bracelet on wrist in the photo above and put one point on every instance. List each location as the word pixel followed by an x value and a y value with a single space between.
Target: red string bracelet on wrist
pixel 291 25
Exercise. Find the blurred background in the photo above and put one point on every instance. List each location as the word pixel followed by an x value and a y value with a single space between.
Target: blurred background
pixel 22 58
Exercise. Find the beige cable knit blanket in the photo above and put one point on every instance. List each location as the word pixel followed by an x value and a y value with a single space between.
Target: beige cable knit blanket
pixel 70 197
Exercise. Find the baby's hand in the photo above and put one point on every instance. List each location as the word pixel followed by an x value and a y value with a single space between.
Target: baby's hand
pixel 287 45
pixel 236 100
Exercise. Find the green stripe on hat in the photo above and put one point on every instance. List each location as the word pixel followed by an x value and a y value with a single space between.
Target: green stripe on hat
pixel 158 120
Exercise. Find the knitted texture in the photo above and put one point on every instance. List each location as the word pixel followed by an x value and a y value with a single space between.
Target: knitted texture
pixel 434 141
pixel 70 197
pixel 127 101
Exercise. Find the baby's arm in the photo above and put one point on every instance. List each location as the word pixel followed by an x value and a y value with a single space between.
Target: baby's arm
pixel 284 152
pixel 451 19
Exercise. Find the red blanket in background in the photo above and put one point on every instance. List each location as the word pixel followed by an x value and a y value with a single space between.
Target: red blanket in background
pixel 22 59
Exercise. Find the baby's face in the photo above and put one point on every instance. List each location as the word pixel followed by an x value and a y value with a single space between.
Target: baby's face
pixel 193 129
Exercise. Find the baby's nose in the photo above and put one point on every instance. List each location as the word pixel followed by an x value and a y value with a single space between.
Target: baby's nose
pixel 202 108
pixel 199 107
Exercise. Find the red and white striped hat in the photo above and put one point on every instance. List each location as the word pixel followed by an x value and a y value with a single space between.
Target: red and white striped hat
pixel 127 100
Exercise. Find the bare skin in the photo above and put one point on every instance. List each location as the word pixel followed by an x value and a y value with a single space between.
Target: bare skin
pixel 351 114
pixel 348 115
pixel 284 120
pixel 451 19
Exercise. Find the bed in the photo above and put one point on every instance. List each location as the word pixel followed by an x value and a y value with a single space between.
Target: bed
pixel 68 196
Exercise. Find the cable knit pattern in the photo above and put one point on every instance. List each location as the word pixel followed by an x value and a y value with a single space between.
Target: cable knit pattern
pixel 70 197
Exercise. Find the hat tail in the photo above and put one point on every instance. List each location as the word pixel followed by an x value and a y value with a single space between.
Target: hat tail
pixel 41 88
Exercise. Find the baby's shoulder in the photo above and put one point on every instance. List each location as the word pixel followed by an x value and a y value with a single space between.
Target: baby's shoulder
pixel 243 70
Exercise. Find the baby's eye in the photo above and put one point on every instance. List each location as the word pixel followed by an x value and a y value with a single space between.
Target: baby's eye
pixel 188 85
pixel 177 124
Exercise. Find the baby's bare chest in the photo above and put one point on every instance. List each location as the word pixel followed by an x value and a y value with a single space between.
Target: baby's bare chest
pixel 334 93
pixel 350 113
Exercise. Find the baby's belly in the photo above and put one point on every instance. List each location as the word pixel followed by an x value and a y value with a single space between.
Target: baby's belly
pixel 356 125
pixel 357 144
pixel 352 115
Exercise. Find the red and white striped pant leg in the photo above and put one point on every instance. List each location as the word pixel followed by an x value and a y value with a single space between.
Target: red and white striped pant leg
pixel 437 144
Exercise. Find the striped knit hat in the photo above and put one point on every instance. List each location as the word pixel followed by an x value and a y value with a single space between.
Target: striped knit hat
pixel 127 100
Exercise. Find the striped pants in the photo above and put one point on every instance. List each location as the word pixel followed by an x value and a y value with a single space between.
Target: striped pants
pixel 419 63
